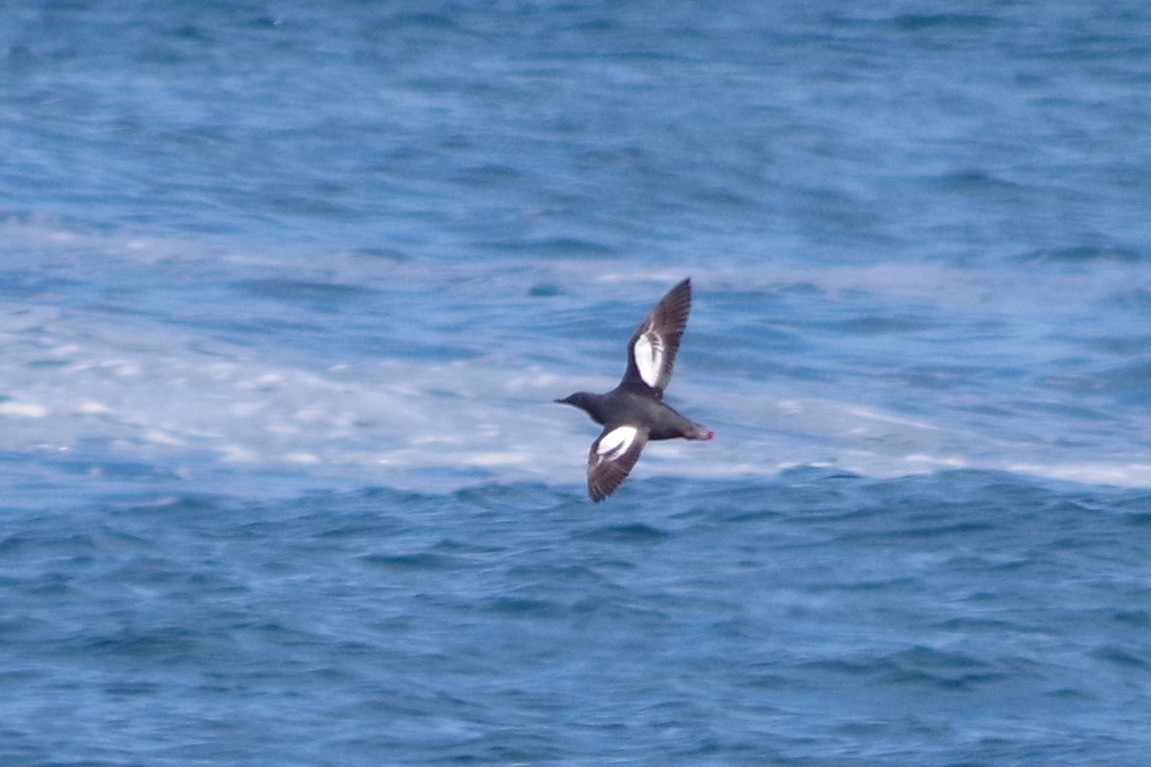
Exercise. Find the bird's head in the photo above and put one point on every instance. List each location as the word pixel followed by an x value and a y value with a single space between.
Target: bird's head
pixel 579 399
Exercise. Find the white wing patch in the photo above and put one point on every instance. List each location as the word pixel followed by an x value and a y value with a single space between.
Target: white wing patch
pixel 648 350
pixel 616 442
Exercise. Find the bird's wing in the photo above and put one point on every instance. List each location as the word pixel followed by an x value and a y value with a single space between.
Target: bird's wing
pixel 611 458
pixel 651 351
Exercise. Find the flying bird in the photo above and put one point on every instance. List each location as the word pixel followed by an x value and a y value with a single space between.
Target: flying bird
pixel 634 412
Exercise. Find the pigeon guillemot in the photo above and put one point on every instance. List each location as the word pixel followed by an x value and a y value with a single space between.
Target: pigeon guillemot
pixel 634 412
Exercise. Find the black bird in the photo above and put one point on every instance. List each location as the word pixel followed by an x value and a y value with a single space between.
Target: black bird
pixel 633 412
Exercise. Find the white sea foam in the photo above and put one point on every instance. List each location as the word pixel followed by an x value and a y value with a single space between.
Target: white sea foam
pixel 152 385
pixel 23 409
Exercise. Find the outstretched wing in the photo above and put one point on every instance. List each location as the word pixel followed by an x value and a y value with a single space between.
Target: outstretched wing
pixel 612 457
pixel 651 351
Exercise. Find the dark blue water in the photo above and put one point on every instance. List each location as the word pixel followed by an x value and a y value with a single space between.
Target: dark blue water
pixel 286 291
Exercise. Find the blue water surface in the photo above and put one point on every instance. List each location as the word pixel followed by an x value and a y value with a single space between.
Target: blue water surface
pixel 287 290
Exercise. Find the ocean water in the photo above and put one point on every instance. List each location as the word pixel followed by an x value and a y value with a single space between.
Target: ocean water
pixel 287 290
